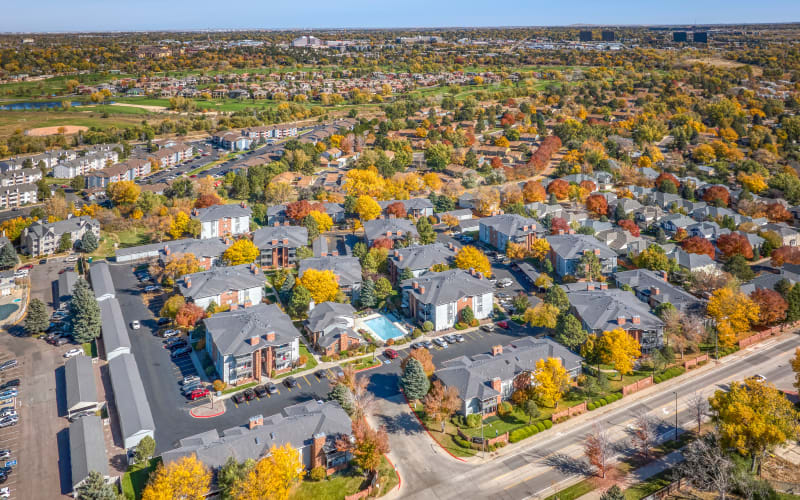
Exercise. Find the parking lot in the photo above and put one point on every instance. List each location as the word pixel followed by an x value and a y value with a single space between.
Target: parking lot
pixel 11 436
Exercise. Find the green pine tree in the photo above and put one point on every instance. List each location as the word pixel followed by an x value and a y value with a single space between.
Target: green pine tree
pixel 414 382
pixel 145 449
pixel 288 284
pixel 367 294
pixel 341 394
pixel 88 242
pixel 569 331
pixel 232 473
pixel 65 243
pixel 614 493
pixel 311 225
pixel 301 298
pixel 557 297
pixel 95 487
pixel 406 274
pixel 8 257
pixel 425 230
pixel 467 315
pixel 793 298
pixel 36 321
pixel 85 313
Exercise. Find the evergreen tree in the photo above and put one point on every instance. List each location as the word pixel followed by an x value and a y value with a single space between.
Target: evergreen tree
pixel 8 257
pixel 793 298
pixel 467 315
pixel 557 297
pixel 301 298
pixel 240 188
pixel 232 473
pixel 37 320
pixel 88 242
pixel 341 394
pixel 613 493
pixel 619 212
pixel 661 237
pixel 286 287
pixel 552 200
pixel 65 243
pixel 84 313
pixel 569 331
pixel 310 223
pixel 367 294
pixel 95 487
pixel 145 449
pixel 414 382
pixel 406 274
pixel 425 230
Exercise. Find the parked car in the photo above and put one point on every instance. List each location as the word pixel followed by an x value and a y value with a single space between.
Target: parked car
pixel 503 324
pixel 272 388
pixel 260 391
pixel 440 342
pixel 6 365
pixel 9 393
pixel 135 324
pixel 58 341
pixel 77 351
pixel 450 339
pixel 26 267
pixel 238 398
pixel 460 338
pixel 80 414
pixel 199 393
pixel 5 492
pixel 390 353
pixel 186 389
pixel 162 321
pixel 6 453
pixel 180 353
pixel 7 410
pixel 171 342
pixel 489 327
pixel 428 344
pixel 9 384
pixel 152 288
pixel 249 394
pixel 290 382
pixel 8 421
pixel 321 374
pixel 169 333
pixel 178 345
pixel 189 379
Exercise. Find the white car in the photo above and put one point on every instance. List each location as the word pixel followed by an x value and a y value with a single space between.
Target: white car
pixel 71 258
pixel 135 324
pixel 170 333
pixel 73 352
pixel 5 492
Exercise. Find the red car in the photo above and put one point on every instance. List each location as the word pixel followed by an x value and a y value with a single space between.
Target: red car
pixel 390 353
pixel 26 267
pixel 198 393
pixel 503 324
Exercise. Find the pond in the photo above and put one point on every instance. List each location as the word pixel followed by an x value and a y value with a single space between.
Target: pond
pixel 6 310
pixel 22 106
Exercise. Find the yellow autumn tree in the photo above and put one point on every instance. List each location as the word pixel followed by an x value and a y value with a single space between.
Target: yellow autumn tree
pixel 432 180
pixel 360 182
pixel 324 221
pixel 123 192
pixel 619 349
pixel 704 153
pixel 367 208
pixel 502 142
pixel 544 315
pixel 515 251
pixel 470 257
pixel 540 248
pixel 323 285
pixel 272 477
pixel 184 479
pixel 243 251
pixel 179 225
pixel 754 182
pixel 551 381
pixel 732 312
pixel 181 264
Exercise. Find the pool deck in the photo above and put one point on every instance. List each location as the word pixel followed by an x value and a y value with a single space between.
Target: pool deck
pixel 362 323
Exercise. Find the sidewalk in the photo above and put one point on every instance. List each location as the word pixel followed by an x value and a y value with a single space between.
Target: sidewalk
pixel 641 474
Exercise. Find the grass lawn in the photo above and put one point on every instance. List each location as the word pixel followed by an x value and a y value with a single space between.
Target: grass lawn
pixel 311 362
pixel 445 439
pixel 652 485
pixel 238 388
pixel 577 490
pixel 123 239
pixel 344 483
pixel 90 349
pixel 135 479
pixel 362 363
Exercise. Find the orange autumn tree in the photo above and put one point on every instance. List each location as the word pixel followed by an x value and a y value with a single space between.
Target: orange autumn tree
pixel 698 245
pixel 533 191
pixel 597 203
pixel 559 188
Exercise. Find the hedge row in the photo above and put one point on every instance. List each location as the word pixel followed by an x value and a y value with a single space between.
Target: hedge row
pixel 614 396
pixel 668 374
pixel 529 430
pixel 462 442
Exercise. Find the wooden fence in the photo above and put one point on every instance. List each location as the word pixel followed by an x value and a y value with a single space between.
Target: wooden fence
pixel 691 363
pixel 568 412
pixel 769 332
pixel 637 386
pixel 489 441
pixel 665 491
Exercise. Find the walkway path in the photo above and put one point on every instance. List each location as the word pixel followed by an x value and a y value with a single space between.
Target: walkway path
pixel 641 474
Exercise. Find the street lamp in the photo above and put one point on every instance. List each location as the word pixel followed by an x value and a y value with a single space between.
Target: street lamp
pixel 676 414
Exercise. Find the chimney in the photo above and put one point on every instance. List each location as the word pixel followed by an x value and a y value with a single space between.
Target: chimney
pixel 422 290
pixel 255 340
pixel 243 204
pixel 286 223
pixel 388 234
pixel 590 286
pixel 525 228
pixel 167 250
pixel 415 285
pixel 255 421
pixel 664 275
pixel 636 319
pixel 620 320
pixel 187 282
pixel 571 231
pixel 497 384
pixel 396 252
pixel 275 224
pixel 317 453
pixel 274 242
pixel 400 258
pixel 560 232
pixel 603 286
pixel 497 350
pixel 286 241
pixel 654 290
pixel 597 251
pixel 271 336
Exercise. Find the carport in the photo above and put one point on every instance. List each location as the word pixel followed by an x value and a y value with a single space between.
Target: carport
pixel 81 388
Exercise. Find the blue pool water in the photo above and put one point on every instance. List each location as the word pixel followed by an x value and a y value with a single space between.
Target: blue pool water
pixel 382 327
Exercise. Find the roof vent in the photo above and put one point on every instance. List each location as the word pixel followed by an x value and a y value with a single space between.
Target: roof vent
pixel 272 435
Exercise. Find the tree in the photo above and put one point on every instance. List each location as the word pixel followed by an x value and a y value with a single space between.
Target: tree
pixel 231 473
pixel 425 230
pixel 589 267
pixel 544 281
pixel 776 212
pixel 470 257
pixel 88 242
pixel 342 395
pixel 667 177
pixel 145 449
pixel 644 432
pixel 467 315
pixel 698 407
pixel 551 381
pixel 515 251
pixel 598 449
pixel 298 210
pixel 531 409
pixel 322 284
pixel 414 382
pixel 301 298
pixel 65 242
pixel 795 363
pixel 533 192
pixel 733 312
pixel 569 331
pixel 557 297
pixel 738 266
pixel 754 417
pixel 171 306
pixel 367 208
pixel 425 359
pixel 613 493
pixel 370 445
pixel 189 314
pixel 37 319
pixel 84 313
pixel 619 349
pixel 441 402
pixel 771 306
pixel 544 315
pixel 8 257
pixel 398 209
pixel 206 200
pixel 717 195
pixel 273 476
pixel 95 487
pixel 707 465
pixel 698 245
pixel 598 204
pixel 323 220
pixel 540 248
pixel 185 479
pixel 181 264
pixel 629 226
pixel 243 251
pixel 735 244
pixel 367 293
pixel 123 192
pixel 179 225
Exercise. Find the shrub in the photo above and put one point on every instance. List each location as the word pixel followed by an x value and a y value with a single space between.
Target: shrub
pixel 657 379
pixel 427 326
pixel 200 345
pixel 590 406
pixel 603 401
pixel 462 442
pixel 318 473
pixel 522 433
pixel 210 370
pixel 540 426
pixel 504 409
pixel 548 424
pixel 500 444
pixel 325 358
pixel 371 348
pixel 458 421
pixel 460 326
pixel 302 360
pixel 474 322
pixel 390 342
pixel 473 420
pixel 416 333
pixel 219 385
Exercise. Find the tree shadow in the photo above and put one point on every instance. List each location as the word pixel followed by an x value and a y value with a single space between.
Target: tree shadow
pixel 403 423
pixel 567 464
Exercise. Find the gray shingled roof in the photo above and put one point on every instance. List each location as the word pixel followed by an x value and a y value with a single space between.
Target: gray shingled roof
pixel 296 425
pixel 209 247
pixel 646 281
pixel 219 280
pixel 232 330
pixel 115 332
pixel 572 246
pixel 62 226
pixel 600 309
pixel 297 236
pixel 446 287
pixel 327 314
pixel 130 397
pixel 348 269
pixel 87 448
pixel 102 284
pixel 66 284
pixel 416 257
pixel 688 260
pixel 377 228
pixel 217 212
pixel 511 224
pixel 79 378
pixel 472 376
pixel 410 204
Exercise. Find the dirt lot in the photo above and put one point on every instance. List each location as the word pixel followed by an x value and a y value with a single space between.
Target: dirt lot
pixel 63 129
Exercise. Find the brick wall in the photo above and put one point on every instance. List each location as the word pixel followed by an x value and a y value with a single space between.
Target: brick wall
pixel 637 386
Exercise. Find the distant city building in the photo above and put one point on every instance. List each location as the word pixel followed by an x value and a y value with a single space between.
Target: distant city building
pixel 679 36
pixel 608 36
pixel 585 36
pixel 700 37
pixel 307 41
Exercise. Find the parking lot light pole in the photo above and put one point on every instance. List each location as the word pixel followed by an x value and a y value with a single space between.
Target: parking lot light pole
pixel 676 414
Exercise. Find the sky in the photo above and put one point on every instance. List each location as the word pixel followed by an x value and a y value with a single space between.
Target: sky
pixel 143 15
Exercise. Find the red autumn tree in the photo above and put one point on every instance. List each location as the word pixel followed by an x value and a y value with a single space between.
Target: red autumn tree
pixel 386 243
pixel 589 186
pixel 666 176
pixel 698 245
pixel 189 314
pixel 785 254
pixel 629 226
pixel 559 188
pixel 496 162
pixel 397 209
pixel 508 119
pixel 597 203
pixel 558 224
pixel 735 244
pixel 717 194
pixel 776 212
pixel 541 157
pixel 298 210
pixel 207 200
pixel 772 306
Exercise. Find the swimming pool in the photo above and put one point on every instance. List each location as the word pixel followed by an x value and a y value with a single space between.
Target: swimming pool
pixel 383 327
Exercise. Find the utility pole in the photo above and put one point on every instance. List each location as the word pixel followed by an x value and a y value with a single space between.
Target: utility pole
pixel 676 414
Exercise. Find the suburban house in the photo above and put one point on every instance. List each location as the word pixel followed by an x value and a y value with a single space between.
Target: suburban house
pixel 486 380
pixel 605 310
pixel 653 288
pixel 419 259
pixel 43 239
pixel 391 228
pixel 499 230
pixel 208 251
pixel 278 244
pixel 346 269
pixel 231 141
pixel 222 220
pixel 251 343
pixel 330 327
pixel 440 297
pixel 621 241
pixel 233 286
pixel 566 251
pixel 693 262
pixel 462 214
pixel 415 207
pixel 673 222
pixel 311 427
pixel 789 236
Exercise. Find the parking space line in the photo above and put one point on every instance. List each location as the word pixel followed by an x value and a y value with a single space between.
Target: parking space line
pixel 306 379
